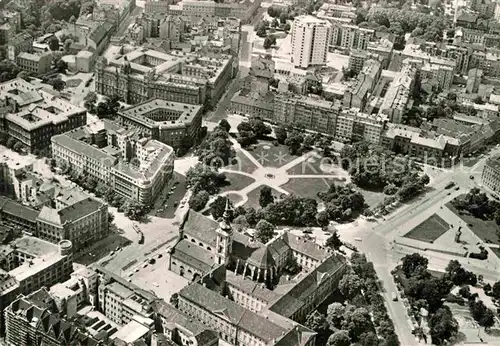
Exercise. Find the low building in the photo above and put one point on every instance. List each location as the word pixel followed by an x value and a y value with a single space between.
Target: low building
pixel 166 121
pixel 491 174
pixel 32 115
pixel 34 63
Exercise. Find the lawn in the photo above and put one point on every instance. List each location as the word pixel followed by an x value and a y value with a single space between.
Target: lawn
pixel 372 198
pixel 429 230
pixel 236 182
pixel 270 155
pixel 485 229
pixel 307 187
pixel 315 165
pixel 234 197
pixel 242 164
pixel 254 195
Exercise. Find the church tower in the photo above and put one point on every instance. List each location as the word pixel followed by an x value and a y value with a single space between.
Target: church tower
pixel 224 237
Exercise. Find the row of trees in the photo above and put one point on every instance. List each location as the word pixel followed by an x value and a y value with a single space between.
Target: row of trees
pixel 363 319
pixel 132 209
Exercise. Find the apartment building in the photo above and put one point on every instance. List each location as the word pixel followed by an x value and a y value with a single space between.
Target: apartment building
pixel 310 39
pixel 243 10
pixel 35 115
pixel 398 95
pixel 491 174
pixel 137 168
pixel 30 320
pixel 356 96
pixel 313 114
pixel 33 264
pixel 426 146
pixel 180 77
pixel 168 122
pixel 22 42
pixel 83 223
pixel 34 63
pixel 354 126
pixel 157 6
pixel 348 36
pixel 16 215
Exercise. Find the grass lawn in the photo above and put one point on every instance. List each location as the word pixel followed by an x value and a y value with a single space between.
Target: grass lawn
pixel 484 229
pixel 254 195
pixel 271 156
pixel 236 182
pixel 307 187
pixel 314 165
pixel 429 230
pixel 372 198
pixel 243 164
pixel 234 197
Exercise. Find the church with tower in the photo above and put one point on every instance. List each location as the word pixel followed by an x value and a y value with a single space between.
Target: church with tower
pixel 205 244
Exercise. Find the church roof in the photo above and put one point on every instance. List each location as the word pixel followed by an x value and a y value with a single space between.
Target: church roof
pixel 201 227
pixel 193 255
pixel 262 258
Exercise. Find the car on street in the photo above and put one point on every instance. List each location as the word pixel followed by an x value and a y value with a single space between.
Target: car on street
pixel 358 239
pixel 471 177
pixel 457 188
pixel 394 297
pixel 152 261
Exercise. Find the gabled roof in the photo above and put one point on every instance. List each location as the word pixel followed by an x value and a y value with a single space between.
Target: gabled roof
pixel 200 227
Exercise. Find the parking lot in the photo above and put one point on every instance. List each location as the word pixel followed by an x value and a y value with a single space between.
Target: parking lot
pixel 156 277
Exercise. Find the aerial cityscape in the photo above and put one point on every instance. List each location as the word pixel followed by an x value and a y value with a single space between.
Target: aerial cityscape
pixel 249 172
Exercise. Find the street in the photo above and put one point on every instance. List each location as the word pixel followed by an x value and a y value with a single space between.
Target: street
pixel 376 238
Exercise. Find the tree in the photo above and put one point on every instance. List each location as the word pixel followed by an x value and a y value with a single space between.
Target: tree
pixel 269 41
pixel 357 322
pixel 261 29
pixel 281 134
pixel 483 316
pixel 294 142
pixel 134 210
pixel 322 218
pixel 317 321
pixel 339 338
pixel 174 300
pixel 10 142
pixel 287 27
pixel 218 207
pixel 350 285
pixel 17 146
pixel 216 149
pixel 61 65
pixel 109 107
pixel 458 275
pixel 266 196
pixel 443 326
pixel 225 125
pixel 90 100
pixel 264 231
pixel 259 128
pixel 57 83
pixel 333 241
pixel 198 200
pixel 54 43
pixel 495 290
pixel 201 177
pixel 334 315
pixel 275 23
pixel 413 262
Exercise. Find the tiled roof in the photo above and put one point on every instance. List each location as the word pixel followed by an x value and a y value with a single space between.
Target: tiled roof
pixel 193 255
pixel 230 311
pixel 252 288
pixel 304 246
pixel 200 227
pixel 10 207
pixel 298 336
pixel 262 258
pixel 298 294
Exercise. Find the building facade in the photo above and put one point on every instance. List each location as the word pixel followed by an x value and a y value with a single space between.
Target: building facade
pixel 168 122
pixel 491 174
pixel 310 40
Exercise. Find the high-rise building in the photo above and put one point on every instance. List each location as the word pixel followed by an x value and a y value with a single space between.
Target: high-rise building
pixel 310 40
